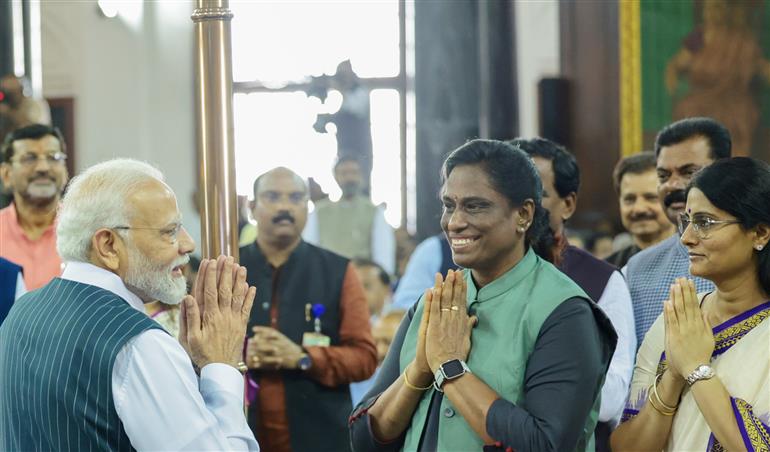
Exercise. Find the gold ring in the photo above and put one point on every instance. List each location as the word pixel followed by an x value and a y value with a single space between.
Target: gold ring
pixel 444 309
pixel 455 308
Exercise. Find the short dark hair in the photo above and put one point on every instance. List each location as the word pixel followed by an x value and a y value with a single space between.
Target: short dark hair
pixel 634 164
pixel 512 174
pixel 381 273
pixel 717 135
pixel 566 172
pixel 741 187
pixel 31 132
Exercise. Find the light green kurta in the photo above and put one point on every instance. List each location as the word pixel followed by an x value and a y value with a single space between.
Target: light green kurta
pixel 511 310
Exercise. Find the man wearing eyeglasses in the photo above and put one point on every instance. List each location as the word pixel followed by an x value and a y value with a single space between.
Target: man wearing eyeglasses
pixel 681 149
pixel 33 166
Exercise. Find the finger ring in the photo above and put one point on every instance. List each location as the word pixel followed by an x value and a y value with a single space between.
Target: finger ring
pixel 455 308
pixel 444 309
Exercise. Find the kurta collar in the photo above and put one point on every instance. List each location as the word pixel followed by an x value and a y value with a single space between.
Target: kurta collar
pixel 296 254
pixel 92 275
pixel 507 281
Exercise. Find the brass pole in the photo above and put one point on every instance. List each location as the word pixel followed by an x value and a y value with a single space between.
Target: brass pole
pixel 214 106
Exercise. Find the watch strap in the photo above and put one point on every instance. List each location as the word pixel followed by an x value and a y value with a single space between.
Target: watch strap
pixel 702 372
pixel 440 377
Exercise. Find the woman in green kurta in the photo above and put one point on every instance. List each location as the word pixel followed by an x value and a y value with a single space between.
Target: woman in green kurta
pixel 509 353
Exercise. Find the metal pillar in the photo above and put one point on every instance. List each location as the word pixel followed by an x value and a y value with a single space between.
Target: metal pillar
pixel 214 96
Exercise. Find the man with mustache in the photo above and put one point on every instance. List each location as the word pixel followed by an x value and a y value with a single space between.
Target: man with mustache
pixel 82 366
pixel 33 166
pixel 352 226
pixel 681 150
pixel 310 323
pixel 641 211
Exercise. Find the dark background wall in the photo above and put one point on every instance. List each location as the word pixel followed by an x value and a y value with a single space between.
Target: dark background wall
pixel 589 61
pixel 6 38
pixel 465 87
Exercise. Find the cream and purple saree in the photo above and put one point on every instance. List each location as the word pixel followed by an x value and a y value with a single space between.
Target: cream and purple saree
pixel 741 360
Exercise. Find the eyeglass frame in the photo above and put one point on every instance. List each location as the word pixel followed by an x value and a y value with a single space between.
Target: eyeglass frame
pixel 52 158
pixel 684 221
pixel 163 230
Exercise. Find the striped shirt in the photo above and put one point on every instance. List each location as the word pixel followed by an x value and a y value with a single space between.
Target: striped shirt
pixel 649 275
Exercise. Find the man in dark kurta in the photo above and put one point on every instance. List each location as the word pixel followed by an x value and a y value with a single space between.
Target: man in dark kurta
pixel 305 294
pixel 605 285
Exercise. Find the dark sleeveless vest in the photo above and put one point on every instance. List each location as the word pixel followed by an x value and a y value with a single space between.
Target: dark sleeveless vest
pixel 317 414
pixel 589 272
pixel 9 274
pixel 57 350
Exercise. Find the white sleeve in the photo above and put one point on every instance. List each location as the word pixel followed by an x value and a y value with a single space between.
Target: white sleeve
pixel 383 242
pixel 163 405
pixel 311 234
pixel 616 303
pixel 21 289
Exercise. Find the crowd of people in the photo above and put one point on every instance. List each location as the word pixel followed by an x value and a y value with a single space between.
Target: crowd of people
pixel 500 333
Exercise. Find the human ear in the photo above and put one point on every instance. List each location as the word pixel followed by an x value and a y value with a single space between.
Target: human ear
pixel 761 236
pixel 526 214
pixel 106 248
pixel 5 174
pixel 570 205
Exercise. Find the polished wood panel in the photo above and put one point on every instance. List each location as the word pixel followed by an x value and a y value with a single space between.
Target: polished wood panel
pixel 590 60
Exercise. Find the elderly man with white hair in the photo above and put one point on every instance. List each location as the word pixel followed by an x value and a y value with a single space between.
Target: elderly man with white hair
pixel 82 367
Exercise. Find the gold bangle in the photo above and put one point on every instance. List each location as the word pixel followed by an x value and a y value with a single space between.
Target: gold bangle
pixel 660 401
pixel 411 386
pixel 652 404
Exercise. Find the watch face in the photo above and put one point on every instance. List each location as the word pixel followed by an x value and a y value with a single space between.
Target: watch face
pixel 452 368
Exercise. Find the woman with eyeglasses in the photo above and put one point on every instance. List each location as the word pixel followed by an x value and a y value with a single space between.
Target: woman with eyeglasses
pixel 702 377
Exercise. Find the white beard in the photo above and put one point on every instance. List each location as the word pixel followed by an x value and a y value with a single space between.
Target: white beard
pixel 155 282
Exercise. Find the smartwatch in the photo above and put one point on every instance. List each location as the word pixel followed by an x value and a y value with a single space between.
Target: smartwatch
pixel 304 362
pixel 454 368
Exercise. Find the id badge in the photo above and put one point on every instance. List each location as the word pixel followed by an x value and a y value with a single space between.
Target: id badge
pixel 315 340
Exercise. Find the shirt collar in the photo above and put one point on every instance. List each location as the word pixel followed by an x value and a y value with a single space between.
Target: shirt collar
pixel 14 217
pixel 92 275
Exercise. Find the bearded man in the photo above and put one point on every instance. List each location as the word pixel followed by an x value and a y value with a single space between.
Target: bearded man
pixel 83 367
pixel 33 166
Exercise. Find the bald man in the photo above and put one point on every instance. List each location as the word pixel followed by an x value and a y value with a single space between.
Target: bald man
pixel 310 325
